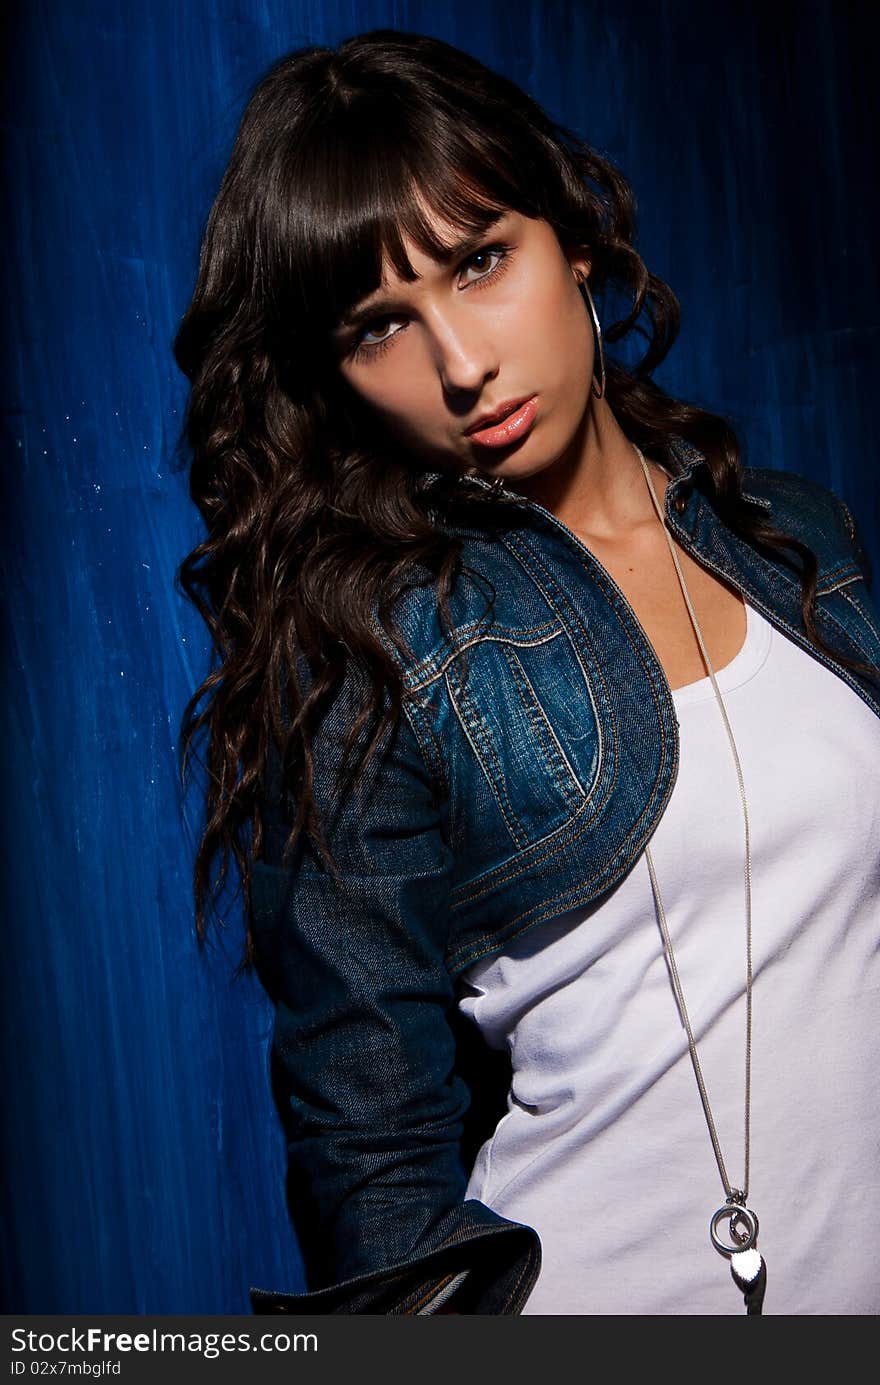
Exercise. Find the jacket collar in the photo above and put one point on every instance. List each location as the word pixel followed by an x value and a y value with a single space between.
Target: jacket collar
pixel 689 459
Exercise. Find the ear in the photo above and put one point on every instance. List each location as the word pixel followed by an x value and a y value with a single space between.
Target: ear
pixel 580 264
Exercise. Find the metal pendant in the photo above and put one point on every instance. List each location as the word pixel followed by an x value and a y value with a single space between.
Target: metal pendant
pixel 746 1262
pixel 750 1275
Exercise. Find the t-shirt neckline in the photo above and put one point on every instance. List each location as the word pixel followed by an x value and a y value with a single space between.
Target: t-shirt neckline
pixel 743 666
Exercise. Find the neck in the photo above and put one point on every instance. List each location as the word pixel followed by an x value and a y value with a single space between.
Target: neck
pixel 597 487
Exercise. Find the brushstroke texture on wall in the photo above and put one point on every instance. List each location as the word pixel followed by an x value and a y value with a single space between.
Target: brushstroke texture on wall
pixel 142 1158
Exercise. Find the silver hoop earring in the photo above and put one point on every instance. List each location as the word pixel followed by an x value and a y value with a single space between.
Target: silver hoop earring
pixel 597 336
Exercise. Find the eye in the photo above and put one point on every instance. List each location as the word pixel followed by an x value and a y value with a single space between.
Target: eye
pixel 480 261
pixel 376 338
pixel 376 335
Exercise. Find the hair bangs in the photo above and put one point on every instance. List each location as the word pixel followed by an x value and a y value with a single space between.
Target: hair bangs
pixel 371 187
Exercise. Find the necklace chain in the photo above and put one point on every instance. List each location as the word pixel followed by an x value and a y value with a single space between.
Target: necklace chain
pixel 734 1195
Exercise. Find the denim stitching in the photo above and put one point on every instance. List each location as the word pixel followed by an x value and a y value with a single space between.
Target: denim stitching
pixel 526 1269
pixel 856 607
pixel 464 893
pixel 775 578
pixel 578 898
pixel 511 870
pixel 852 573
pixel 457 1237
pixel 497 786
pixel 435 742
pixel 497 636
pixel 471 633
pixel 538 717
pixel 514 867
pixel 850 524
pixel 431 1292
pixel 415 714
pixel 783 580
pixel 844 582
pixel 524 558
pixel 831 616
pixel 571 834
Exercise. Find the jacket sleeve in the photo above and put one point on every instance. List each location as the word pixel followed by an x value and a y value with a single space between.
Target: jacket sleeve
pixel 363 1056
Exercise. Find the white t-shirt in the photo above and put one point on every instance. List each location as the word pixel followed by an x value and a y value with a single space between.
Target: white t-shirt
pixel 604 1149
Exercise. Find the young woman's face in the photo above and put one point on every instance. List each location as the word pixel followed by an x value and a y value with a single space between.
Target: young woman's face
pixel 502 324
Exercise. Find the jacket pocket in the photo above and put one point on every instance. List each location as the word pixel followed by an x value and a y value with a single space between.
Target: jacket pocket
pixel 516 715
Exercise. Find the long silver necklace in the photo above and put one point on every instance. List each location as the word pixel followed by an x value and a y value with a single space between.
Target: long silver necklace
pixel 740 1245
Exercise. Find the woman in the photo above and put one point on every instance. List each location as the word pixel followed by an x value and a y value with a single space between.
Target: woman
pixel 528 692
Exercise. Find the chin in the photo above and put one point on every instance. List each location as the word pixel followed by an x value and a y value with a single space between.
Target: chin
pixel 523 470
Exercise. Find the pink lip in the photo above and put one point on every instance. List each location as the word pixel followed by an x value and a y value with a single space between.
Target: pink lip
pixel 511 428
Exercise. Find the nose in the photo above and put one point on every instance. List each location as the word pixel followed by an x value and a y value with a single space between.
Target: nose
pixel 464 353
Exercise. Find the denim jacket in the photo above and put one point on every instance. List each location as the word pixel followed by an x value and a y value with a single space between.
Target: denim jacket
pixel 538 750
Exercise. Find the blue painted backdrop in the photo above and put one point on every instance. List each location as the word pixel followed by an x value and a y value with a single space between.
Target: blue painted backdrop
pixel 143 1162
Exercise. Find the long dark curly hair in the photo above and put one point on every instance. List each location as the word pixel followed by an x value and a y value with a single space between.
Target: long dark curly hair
pixel 315 521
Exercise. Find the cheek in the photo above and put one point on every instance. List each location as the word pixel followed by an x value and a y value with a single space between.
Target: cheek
pixel 561 358
pixel 572 325
pixel 550 320
pixel 378 386
pixel 395 392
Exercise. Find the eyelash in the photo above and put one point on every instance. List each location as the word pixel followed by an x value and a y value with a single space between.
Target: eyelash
pixel 372 350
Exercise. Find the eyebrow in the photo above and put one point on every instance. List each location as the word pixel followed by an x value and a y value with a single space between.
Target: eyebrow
pixel 360 315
